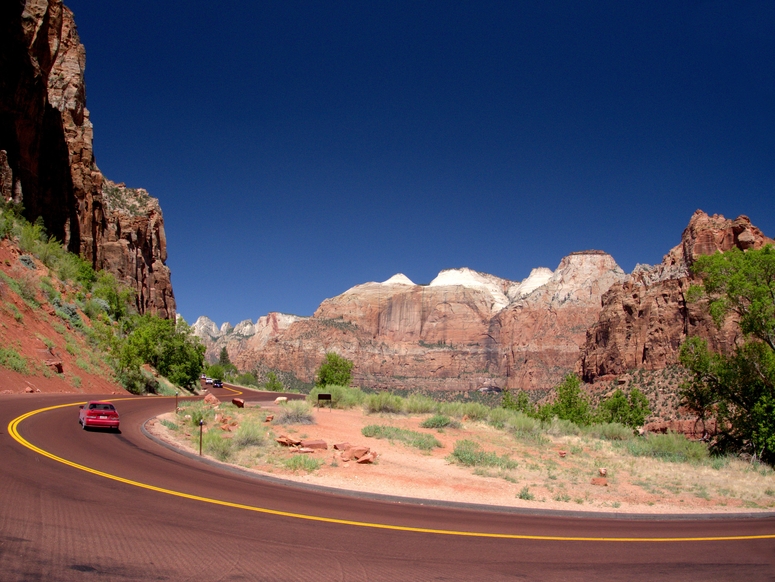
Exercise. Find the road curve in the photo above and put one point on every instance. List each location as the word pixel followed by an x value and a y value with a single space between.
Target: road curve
pixel 148 513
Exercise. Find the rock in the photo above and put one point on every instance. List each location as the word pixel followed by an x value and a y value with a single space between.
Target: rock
pixel 357 452
pixel 55 366
pixel 603 471
pixel 562 453
pixel 342 446
pixel 304 450
pixel 280 399
pixel 269 418
pixel 287 441
pixel 316 444
pixel 211 400
pixel 367 458
pixel 29 390
pixel 645 318
pixel 49 162
pixel 238 402
pixel 600 481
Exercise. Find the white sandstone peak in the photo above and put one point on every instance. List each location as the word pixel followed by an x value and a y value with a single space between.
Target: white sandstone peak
pixel 398 279
pixel 205 326
pixel 538 278
pixel 471 279
pixel 226 328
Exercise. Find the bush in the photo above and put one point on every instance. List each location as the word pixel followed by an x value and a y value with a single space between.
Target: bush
pixel 419 404
pixel 610 431
pixel 11 359
pixel 525 494
pixel 341 396
pixel 618 408
pixel 198 410
pixel 272 384
pixel 440 421
pixel 214 444
pixel 419 440
pixel 560 427
pixel 335 370
pixel 521 424
pixel 498 417
pixel 247 379
pixel 384 402
pixel 475 410
pixel 302 462
pixel 295 412
pixel 470 454
pixel 250 434
pixel 671 447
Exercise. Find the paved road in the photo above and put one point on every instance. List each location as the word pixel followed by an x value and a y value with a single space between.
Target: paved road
pixel 202 522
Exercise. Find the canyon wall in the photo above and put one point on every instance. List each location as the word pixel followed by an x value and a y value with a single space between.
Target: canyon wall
pixel 47 161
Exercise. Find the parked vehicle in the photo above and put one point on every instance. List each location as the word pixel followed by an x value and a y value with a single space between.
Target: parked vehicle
pixel 98 414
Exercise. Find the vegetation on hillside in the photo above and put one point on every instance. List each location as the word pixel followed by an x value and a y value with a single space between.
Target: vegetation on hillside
pixel 101 309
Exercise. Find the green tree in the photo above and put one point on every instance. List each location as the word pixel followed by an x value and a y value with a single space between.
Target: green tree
pixel 272 383
pixel 216 372
pixel 173 350
pixel 522 402
pixel 223 358
pixel 629 410
pixel 571 403
pixel 335 370
pixel 736 389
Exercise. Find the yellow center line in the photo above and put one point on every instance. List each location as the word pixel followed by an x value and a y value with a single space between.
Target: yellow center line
pixel 13 431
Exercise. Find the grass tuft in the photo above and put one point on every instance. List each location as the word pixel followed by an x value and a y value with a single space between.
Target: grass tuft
pixel 419 440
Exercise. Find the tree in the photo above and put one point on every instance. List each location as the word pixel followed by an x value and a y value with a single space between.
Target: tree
pixel 173 350
pixel 223 358
pixel 738 389
pixel 216 372
pixel 521 403
pixel 571 403
pixel 272 383
pixel 335 370
pixel 629 410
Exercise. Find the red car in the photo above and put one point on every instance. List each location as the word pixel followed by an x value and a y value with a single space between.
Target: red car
pixel 99 414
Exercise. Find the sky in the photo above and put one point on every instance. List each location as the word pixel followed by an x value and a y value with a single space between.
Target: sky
pixel 301 148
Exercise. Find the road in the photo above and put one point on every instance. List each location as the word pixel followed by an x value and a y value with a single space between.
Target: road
pixel 145 512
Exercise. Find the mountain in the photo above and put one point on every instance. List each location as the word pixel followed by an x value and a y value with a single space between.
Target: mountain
pixel 468 330
pixel 47 161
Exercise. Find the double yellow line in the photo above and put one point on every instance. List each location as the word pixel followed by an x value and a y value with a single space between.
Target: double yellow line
pixel 13 430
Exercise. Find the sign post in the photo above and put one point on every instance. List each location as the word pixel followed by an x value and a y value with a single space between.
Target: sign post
pixel 201 422
pixel 325 397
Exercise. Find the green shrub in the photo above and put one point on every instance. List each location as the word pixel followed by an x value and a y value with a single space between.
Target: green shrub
pixel 384 402
pixel 454 409
pixel 214 444
pixel 520 424
pixel 560 427
pixel 498 417
pixel 250 434
pixel 419 404
pixel 13 360
pixel 610 431
pixel 419 440
pixel 302 462
pixel 440 421
pixel 335 370
pixel 470 454
pixel 198 410
pixel 295 412
pixel 272 384
pixel 671 447
pixel 475 410
pixel 169 424
pixel 341 396
pixel 525 494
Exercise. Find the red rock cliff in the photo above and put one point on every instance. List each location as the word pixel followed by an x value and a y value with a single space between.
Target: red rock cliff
pixel 645 318
pixel 46 157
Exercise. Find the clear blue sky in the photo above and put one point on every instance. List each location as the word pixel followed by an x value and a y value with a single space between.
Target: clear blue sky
pixel 301 148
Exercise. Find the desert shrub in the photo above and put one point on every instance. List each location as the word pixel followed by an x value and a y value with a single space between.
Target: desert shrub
pixel 272 383
pixel 302 463
pixel 475 410
pixel 671 447
pixel 419 404
pixel 250 433
pixel 440 421
pixel 384 402
pixel 198 410
pixel 13 360
pixel 341 396
pixel 561 427
pixel 525 494
pixel 135 380
pixel 470 454
pixel 246 379
pixel 169 424
pixel 520 424
pixel 419 440
pixel 498 417
pixel 454 409
pixel 335 370
pixel 295 412
pixel 214 444
pixel 610 431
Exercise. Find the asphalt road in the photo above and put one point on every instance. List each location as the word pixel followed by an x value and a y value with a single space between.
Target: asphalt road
pixel 145 512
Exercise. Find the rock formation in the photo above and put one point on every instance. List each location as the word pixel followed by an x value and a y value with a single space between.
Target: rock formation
pixel 645 318
pixel 463 331
pixel 47 162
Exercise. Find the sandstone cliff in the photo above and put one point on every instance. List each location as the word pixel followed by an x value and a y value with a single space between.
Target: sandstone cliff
pixel 463 331
pixel 645 318
pixel 47 162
